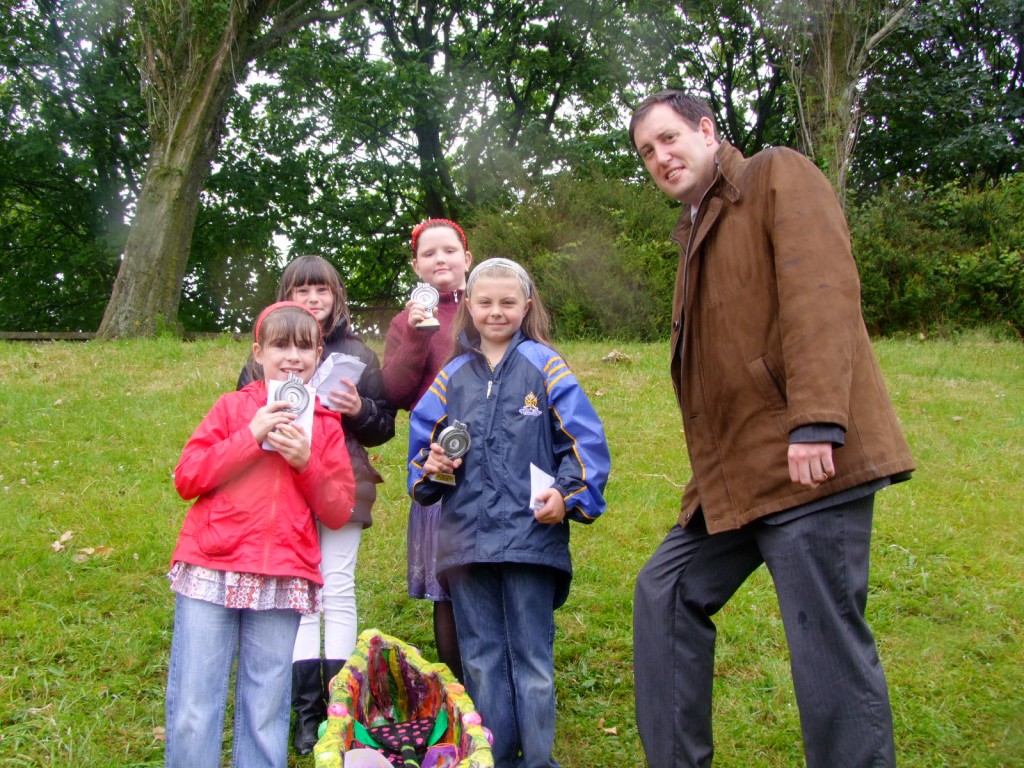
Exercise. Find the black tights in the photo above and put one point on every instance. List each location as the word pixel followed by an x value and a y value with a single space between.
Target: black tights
pixel 445 638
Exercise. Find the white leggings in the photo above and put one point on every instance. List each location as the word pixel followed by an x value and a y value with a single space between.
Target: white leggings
pixel 338 552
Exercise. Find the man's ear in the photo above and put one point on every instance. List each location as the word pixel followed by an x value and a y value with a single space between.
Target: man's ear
pixel 707 127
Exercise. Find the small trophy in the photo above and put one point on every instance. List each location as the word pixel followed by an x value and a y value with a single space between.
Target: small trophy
pixel 426 294
pixel 294 393
pixel 454 440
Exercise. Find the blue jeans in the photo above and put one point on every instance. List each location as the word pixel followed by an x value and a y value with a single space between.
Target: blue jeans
pixel 505 620
pixel 206 639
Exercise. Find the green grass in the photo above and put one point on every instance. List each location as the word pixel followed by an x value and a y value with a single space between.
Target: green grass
pixel 89 434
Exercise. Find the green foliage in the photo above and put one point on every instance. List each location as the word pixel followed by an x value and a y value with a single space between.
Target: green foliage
pixel 942 259
pixel 599 252
pixel 86 625
pixel 71 144
pixel 364 121
pixel 726 51
pixel 947 105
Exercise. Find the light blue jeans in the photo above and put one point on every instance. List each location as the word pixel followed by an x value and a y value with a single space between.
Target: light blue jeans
pixel 207 637
pixel 505 620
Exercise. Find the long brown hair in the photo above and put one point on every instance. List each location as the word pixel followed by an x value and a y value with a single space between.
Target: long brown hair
pixel 316 270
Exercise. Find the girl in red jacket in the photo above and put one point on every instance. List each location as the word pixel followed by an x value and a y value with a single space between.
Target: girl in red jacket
pixel 246 564
pixel 368 421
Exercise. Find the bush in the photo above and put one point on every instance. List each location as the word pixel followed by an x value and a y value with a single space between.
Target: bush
pixel 599 253
pixel 942 258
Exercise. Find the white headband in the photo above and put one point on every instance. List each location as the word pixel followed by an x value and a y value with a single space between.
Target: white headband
pixel 500 263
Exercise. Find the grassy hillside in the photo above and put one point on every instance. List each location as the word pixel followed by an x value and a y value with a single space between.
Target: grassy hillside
pixel 89 434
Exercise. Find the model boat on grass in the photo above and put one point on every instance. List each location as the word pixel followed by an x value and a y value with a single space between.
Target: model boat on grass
pixel 392 708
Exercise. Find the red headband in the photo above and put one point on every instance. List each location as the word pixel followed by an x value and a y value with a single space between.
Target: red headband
pixel 429 223
pixel 281 305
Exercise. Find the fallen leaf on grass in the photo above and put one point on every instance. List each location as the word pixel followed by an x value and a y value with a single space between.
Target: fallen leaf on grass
pixel 616 357
pixel 86 552
pixel 159 734
pixel 58 545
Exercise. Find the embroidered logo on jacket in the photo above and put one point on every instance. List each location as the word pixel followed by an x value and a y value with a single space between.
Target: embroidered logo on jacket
pixel 530 406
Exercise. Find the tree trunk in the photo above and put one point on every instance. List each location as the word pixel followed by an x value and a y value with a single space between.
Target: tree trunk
pixel 830 44
pixel 147 290
pixel 193 54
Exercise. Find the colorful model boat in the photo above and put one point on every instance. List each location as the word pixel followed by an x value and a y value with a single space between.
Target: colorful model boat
pixel 391 707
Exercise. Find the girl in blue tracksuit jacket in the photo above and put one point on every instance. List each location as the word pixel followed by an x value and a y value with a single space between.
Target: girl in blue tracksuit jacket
pixel 503 548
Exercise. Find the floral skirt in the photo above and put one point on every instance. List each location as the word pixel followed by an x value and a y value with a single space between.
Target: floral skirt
pixel 251 591
pixel 421 551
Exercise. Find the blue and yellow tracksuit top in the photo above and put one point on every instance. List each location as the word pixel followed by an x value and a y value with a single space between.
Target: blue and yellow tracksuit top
pixel 529 409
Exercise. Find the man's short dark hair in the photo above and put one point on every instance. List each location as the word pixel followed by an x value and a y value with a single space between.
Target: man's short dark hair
pixel 690 108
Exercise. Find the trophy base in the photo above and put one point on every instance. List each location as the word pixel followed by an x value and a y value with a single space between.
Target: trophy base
pixel 430 324
pixel 442 477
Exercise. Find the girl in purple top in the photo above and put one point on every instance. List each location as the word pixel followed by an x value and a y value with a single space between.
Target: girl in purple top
pixel 412 357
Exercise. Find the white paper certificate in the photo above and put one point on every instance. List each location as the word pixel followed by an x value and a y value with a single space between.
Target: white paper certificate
pixel 539 481
pixel 332 370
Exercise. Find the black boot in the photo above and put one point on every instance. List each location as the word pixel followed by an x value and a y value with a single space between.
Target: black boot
pixel 308 703
pixel 331 669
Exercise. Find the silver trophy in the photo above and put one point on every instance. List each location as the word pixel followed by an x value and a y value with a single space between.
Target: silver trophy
pixel 293 392
pixel 426 294
pixel 454 440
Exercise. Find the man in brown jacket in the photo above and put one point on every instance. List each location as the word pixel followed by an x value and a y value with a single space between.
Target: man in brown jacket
pixel 790 434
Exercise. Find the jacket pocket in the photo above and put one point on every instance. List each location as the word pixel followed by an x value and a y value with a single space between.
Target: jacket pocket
pixel 304 539
pixel 767 382
pixel 221 527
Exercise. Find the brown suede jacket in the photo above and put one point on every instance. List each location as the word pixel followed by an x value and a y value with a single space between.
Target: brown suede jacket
pixel 767 336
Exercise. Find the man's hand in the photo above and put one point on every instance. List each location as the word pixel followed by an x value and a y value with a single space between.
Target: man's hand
pixel 810 464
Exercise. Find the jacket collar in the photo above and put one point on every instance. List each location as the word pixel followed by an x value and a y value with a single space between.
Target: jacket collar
pixel 473 345
pixel 727 167
pixel 724 185
pixel 450 297
pixel 341 330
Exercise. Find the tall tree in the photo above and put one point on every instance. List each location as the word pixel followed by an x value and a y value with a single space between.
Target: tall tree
pixel 949 104
pixel 728 52
pixel 350 134
pixel 830 48
pixel 71 142
pixel 193 54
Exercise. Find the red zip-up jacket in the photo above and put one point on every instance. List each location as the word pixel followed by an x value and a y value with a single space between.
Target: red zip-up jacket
pixel 255 513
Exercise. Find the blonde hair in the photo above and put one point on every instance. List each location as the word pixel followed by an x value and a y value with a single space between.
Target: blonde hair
pixel 536 324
